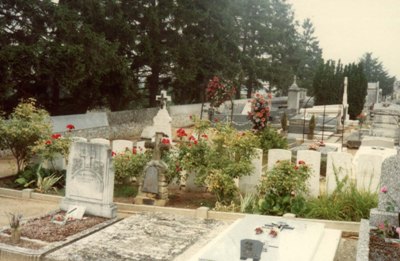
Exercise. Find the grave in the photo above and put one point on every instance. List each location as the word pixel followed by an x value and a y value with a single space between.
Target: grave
pixel 248 184
pixel 368 172
pixel 90 179
pixel 153 189
pixel 338 166
pixel 377 142
pixel 100 141
pixel 142 236
pixel 275 155
pixel 162 121
pixel 122 145
pixel 294 240
pixel 313 159
pixel 390 179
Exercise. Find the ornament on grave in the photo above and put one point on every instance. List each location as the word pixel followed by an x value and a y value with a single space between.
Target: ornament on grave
pixel 163 98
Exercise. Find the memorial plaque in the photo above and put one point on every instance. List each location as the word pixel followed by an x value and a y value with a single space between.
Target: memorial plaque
pixel 150 181
pixel 250 249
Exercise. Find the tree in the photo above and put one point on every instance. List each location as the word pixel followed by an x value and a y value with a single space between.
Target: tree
pixel 375 72
pixel 357 88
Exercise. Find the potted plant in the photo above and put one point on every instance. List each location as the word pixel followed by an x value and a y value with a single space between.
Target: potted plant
pixel 14 221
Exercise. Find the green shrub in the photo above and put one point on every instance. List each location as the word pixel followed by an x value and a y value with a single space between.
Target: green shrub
pixel 29 176
pixel 125 190
pixel 26 125
pixel 269 138
pixel 129 164
pixel 284 188
pixel 311 128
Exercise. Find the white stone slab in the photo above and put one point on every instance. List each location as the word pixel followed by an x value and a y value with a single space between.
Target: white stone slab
pixel 275 155
pixel 100 141
pixel 148 132
pixel 312 159
pixel 162 122
pixel 122 145
pixel 90 179
pixel 75 212
pixel 140 145
pixel 378 142
pixel 329 244
pixel 247 108
pixel 300 243
pixel 341 163
pixel 368 172
pixel 248 184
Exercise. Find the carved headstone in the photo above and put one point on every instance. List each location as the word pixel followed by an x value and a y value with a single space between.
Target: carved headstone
pixel 90 179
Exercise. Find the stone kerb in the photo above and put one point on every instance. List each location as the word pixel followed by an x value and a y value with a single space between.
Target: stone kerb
pixel 313 159
pixel 275 155
pixel 377 142
pixel 90 179
pixel 390 180
pixel 119 146
pixel 368 172
pixel 338 166
pixel 248 184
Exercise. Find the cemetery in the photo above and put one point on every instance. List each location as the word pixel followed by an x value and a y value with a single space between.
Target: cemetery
pixel 191 131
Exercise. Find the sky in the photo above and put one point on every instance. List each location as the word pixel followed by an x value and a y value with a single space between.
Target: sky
pixel 346 29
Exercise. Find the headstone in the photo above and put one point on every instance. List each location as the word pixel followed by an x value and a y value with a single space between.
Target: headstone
pixel 74 139
pixel 140 145
pixel 150 182
pixel 100 141
pixel 368 172
pixel 390 181
pixel 338 166
pixel 312 159
pixel 80 121
pixel 90 179
pixel 122 145
pixel 248 184
pixel 275 155
pixel 294 96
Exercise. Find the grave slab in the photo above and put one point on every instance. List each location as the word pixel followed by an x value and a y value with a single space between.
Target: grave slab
pixel 248 184
pixel 143 236
pixel 275 155
pixel 300 243
pixel 313 159
pixel 339 165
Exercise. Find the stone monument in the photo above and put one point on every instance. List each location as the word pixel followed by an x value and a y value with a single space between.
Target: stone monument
pixel 389 194
pixel 294 96
pixel 90 179
pixel 153 189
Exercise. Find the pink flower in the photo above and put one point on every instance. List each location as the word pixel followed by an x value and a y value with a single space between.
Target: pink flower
pixel 384 189
pixel 381 226
pixel 398 231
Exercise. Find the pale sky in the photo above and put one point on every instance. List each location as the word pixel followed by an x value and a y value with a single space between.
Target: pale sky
pixel 346 29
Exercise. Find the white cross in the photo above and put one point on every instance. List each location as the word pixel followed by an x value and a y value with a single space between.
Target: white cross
pixel 163 98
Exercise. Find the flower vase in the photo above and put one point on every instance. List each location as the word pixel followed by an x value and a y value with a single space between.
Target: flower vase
pixel 15 235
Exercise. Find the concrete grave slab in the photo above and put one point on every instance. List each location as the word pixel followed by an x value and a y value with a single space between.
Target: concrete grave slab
pixel 377 142
pixel 368 172
pixel 248 184
pixel 339 164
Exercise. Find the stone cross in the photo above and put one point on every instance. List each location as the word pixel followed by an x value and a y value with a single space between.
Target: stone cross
pixel 163 98
pixel 155 146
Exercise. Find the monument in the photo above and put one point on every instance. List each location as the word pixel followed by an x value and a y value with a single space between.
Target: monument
pixel 90 179
pixel 153 189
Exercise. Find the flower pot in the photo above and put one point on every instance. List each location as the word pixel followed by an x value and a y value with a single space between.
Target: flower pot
pixel 15 235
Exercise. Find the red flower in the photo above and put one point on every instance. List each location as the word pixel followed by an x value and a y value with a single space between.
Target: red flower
pixel 165 141
pixel 134 150
pixel 195 142
pixel 301 162
pixel 113 153
pixel 181 133
pixel 216 120
pixel 48 142
pixel 192 138
pixel 204 136
pixel 56 136
pixel 70 127
pixel 296 167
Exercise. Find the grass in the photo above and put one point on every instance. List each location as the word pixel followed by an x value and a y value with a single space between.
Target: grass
pixel 125 190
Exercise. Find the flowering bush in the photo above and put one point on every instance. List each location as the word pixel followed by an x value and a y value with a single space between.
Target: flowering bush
pixel 283 189
pixel 129 164
pixel 259 113
pixel 26 125
pixel 50 147
pixel 219 91
pixel 217 158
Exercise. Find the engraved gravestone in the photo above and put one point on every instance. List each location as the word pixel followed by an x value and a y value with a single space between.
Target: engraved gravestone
pixel 90 179
pixel 150 182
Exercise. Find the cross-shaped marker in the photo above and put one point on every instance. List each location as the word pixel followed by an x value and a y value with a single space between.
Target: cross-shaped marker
pixel 163 98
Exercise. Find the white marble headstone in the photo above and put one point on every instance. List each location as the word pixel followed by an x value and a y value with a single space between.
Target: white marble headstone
pixel 90 179
pixel 368 172
pixel 275 155
pixel 122 145
pixel 313 160
pixel 100 141
pixel 341 164
pixel 248 184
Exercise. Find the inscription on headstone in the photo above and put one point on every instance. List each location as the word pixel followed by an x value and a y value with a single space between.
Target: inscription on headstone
pixel 250 248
